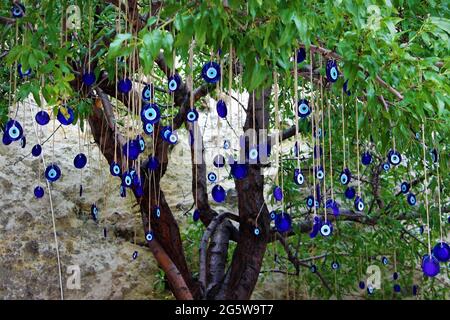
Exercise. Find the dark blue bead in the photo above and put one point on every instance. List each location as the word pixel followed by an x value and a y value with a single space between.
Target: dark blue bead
pixel 42 118
pixel 36 150
pixel 38 192
pixel 80 161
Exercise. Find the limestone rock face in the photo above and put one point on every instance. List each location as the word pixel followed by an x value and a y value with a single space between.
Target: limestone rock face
pixel 28 261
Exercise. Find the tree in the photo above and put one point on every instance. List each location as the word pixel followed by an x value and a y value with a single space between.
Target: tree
pixel 392 57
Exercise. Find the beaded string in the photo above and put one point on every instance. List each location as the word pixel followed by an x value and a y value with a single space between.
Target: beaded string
pixel 322 137
pixel 313 109
pixel 296 108
pixel 343 129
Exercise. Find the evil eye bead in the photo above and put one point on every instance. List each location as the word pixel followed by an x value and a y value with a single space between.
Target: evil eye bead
pixel 299 179
pixel 359 204
pixel 42 118
pixel 36 150
pixel 65 116
pixel 345 176
pixel 345 88
pixel 135 255
pixel 115 170
pixel 226 144
pixel 157 212
pixel 442 252
pixel 370 289
pixel 218 193
pixel 350 193
pixel 326 229
pixel 332 71
pixel 366 158
pixel 38 192
pixel 196 215
pixel 253 153
pixel 152 163
pixel 411 199
pixel 272 215
pixel 404 187
pixel 211 72
pixel 219 161
pixel 14 130
pixel 94 212
pixel 278 193
pixel 303 108
pixel 148 128
pixel 192 115
pixel 430 266
pixel 283 222
pixel 362 285
pixel 52 173
pixel 384 261
pixel 150 113
pixel 221 108
pixel 310 201
pixel 17 10
pixel 256 231
pixel 434 155
pixel 386 166
pixel 140 140
pixel 80 161
pixel 301 55
pixel 23 142
pixel 149 236
pixel 394 158
pixel 174 83
pixel 147 93
pixel 165 132
pixel 313 268
pixel 21 73
pixel 127 180
pixel 131 149
pixel 124 86
pixel 395 276
pixel 320 174
pixel 212 177
pixel 335 265
pixel 88 78
pixel 173 137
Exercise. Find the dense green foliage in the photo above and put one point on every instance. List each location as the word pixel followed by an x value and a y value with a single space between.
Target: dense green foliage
pixel 406 43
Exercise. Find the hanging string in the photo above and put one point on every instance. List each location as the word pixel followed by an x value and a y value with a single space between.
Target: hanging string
pixel 313 110
pixel 296 108
pixel 230 81
pixel 426 188
pixel 438 178
pixel 322 136
pixel 277 122
pixel 343 130
pixel 55 236
pixel 357 148
pixel 191 104
pixel 331 156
